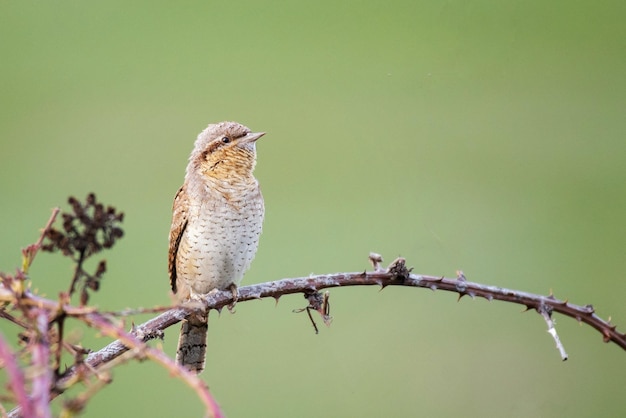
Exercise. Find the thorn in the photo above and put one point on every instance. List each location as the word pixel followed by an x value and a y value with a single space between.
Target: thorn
pixel 460 276
pixel 433 287
pixel 460 296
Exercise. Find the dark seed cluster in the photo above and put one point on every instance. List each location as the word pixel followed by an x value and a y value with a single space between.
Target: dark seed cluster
pixel 89 228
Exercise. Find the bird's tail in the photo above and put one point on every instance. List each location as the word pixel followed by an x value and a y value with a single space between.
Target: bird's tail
pixel 191 351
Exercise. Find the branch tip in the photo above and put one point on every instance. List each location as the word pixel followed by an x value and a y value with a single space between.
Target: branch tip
pixel 546 312
pixel 376 259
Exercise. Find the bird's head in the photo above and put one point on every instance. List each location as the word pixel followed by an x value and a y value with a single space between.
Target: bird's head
pixel 224 151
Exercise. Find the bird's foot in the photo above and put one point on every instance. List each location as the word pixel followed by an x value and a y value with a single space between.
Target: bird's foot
pixel 233 288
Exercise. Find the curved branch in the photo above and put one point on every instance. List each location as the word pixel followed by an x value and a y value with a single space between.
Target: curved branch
pixel 396 275
pixel 312 284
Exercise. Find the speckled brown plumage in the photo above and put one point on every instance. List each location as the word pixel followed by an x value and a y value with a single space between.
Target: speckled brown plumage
pixel 216 223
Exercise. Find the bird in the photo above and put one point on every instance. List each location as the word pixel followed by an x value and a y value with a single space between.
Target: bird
pixel 217 218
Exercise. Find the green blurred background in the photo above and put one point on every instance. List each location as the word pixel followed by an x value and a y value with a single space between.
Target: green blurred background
pixel 487 136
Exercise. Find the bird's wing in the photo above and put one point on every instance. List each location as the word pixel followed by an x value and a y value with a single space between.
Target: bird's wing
pixel 179 223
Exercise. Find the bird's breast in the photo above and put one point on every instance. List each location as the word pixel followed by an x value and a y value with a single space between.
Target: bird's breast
pixel 220 240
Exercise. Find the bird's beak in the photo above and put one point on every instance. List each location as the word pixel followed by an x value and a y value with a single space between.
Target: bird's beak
pixel 251 137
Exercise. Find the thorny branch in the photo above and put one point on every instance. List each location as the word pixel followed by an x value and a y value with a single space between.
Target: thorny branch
pixel 395 275
pixel 44 313
pixel 87 231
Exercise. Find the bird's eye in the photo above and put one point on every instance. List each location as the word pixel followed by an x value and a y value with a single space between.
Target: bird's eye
pixel 225 140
